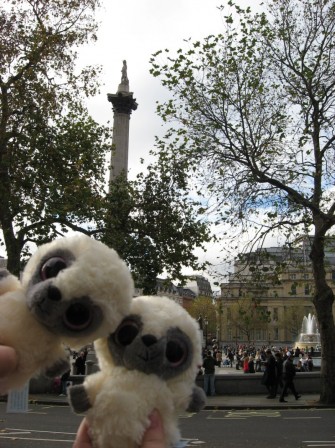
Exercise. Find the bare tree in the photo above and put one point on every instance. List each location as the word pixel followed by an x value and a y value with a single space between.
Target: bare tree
pixel 253 121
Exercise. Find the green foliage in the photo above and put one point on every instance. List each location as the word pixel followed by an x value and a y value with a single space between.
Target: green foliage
pixel 204 308
pixel 246 109
pixel 252 122
pixel 247 313
pixel 154 227
pixel 51 152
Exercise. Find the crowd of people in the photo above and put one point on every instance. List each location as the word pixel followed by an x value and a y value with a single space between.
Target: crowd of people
pixel 278 366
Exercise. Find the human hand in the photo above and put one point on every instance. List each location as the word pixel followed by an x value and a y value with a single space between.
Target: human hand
pixel 153 436
pixel 8 364
pixel 8 361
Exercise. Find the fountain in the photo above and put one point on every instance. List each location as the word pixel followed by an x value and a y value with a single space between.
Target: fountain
pixel 309 336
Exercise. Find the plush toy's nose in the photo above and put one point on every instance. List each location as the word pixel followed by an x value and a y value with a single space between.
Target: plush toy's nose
pixel 149 339
pixel 54 293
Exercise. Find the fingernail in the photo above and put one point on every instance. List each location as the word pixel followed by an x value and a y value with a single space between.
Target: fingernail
pixel 154 419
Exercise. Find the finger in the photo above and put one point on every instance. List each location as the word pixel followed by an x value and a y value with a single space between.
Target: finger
pixel 8 360
pixel 154 435
pixel 83 439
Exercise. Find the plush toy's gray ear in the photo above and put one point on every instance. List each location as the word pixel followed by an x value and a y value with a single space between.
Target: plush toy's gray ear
pixel 3 273
pixel 198 400
pixel 8 282
pixel 79 400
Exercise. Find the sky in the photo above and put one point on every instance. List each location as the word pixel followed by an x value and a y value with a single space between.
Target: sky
pixel 133 30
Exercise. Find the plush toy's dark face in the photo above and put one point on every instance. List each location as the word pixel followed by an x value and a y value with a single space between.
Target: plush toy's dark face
pixel 166 355
pixel 62 315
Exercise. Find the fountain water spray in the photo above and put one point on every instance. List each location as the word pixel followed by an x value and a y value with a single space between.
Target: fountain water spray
pixel 309 336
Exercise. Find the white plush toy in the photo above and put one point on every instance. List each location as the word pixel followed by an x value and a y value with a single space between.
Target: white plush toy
pixel 150 361
pixel 73 291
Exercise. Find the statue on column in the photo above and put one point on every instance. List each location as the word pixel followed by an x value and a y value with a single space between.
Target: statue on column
pixel 124 77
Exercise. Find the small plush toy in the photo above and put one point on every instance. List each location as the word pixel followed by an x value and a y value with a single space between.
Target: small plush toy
pixel 150 362
pixel 73 291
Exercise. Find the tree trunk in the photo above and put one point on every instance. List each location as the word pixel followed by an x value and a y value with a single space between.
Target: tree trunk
pixel 12 246
pixel 323 301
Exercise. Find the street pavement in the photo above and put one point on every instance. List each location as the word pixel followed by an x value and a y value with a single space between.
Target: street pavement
pixel 255 401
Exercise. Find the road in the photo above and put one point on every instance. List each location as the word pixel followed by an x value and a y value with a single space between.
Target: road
pixel 55 427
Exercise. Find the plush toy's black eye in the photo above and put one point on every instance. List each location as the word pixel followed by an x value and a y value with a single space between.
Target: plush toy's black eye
pixel 176 353
pixel 126 333
pixel 52 267
pixel 77 317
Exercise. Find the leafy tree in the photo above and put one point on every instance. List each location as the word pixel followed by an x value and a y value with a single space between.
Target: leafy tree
pixel 51 151
pixel 253 121
pixel 292 320
pixel 203 307
pixel 52 154
pixel 246 314
pixel 153 226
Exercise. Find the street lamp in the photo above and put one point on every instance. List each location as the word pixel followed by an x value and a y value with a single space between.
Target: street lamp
pixel 206 330
pixel 201 328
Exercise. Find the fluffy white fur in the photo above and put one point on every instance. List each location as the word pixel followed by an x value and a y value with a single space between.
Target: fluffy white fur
pixel 95 272
pixel 121 399
pixel 35 346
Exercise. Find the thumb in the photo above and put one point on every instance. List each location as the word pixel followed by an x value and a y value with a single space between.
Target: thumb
pixel 8 360
pixel 154 435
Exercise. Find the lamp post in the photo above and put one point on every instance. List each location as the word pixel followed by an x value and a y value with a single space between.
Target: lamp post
pixel 206 330
pixel 201 328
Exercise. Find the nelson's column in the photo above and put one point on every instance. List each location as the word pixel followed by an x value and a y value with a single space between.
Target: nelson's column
pixel 123 104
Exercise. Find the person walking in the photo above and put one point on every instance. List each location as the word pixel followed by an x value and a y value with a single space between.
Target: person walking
pixel 219 358
pixel 64 383
pixel 251 365
pixel 209 374
pixel 230 356
pixel 80 363
pixel 289 372
pixel 279 372
pixel 258 361
pixel 269 376
pixel 246 363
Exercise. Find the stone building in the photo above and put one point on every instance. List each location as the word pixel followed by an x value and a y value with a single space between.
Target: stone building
pixel 181 295
pixel 274 286
pixel 196 285
pixel 199 285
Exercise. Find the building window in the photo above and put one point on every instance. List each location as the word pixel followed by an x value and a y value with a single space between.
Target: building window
pixel 276 334
pixel 293 276
pixel 306 276
pixel 275 314
pixel 293 289
pixel 307 290
pixel 333 276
